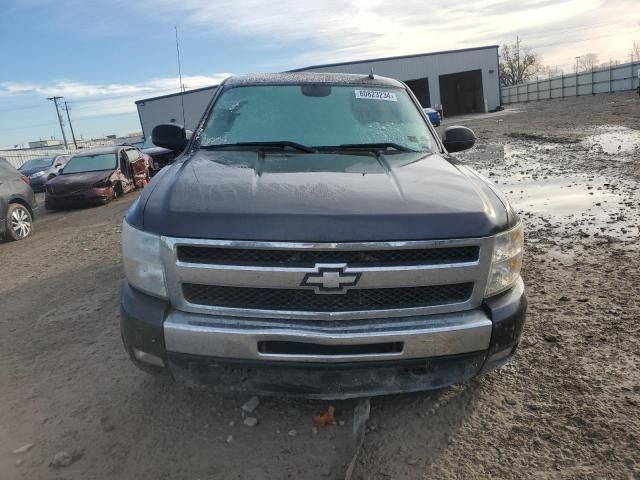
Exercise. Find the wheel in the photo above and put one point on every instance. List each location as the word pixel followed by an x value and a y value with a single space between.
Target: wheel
pixel 117 192
pixel 19 222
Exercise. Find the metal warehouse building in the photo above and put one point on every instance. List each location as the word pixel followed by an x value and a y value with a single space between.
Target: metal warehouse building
pixel 168 109
pixel 460 81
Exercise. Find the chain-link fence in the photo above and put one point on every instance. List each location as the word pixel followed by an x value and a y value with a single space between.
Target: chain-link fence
pixel 17 157
pixel 615 78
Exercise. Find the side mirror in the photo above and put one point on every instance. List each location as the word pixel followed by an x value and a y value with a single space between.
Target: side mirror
pixel 457 139
pixel 170 136
pixel 58 165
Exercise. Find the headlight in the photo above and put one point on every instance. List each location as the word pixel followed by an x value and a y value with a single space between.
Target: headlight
pixel 37 174
pixel 142 262
pixel 103 183
pixel 507 260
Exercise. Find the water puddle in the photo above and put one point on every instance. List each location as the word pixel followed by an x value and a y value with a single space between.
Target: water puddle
pixel 614 140
pixel 577 205
pixel 561 196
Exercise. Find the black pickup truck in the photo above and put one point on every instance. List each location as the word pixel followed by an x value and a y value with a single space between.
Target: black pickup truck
pixel 316 238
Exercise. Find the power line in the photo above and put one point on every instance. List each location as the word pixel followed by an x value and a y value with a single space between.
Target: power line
pixel 26 107
pixel 583 39
pixel 55 102
pixel 543 33
pixel 92 117
pixel 27 126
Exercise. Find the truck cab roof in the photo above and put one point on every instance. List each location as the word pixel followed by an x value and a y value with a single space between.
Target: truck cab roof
pixel 298 78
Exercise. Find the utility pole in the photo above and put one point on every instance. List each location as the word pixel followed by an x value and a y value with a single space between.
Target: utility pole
pixel 577 62
pixel 184 121
pixel 55 102
pixel 518 59
pixel 66 107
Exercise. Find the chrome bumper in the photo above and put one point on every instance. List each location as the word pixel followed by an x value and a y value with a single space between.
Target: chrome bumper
pixel 416 337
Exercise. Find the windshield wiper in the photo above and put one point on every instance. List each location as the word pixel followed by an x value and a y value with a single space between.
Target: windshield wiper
pixel 376 146
pixel 282 144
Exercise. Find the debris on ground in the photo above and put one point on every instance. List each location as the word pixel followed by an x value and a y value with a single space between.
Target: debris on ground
pixel 64 459
pixel 251 405
pixel 23 449
pixel 251 421
pixel 327 418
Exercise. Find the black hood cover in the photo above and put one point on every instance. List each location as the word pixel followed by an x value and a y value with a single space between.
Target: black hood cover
pixel 323 197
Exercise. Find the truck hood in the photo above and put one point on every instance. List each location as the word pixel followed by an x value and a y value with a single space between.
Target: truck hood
pixel 323 197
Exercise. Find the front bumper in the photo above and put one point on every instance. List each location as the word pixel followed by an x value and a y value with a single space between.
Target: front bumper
pixel 91 196
pixel 318 359
pixel 38 184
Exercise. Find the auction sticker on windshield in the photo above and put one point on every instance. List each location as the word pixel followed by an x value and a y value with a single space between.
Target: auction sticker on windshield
pixel 376 95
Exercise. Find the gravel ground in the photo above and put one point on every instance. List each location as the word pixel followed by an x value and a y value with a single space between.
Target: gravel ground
pixel 565 407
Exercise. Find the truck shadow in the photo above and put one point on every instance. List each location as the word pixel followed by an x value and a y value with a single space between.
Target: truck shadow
pixel 407 433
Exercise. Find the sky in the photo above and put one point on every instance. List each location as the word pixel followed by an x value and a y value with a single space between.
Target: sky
pixel 103 55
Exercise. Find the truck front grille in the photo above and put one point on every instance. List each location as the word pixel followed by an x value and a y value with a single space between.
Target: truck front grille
pixel 307 300
pixel 308 258
pixel 326 281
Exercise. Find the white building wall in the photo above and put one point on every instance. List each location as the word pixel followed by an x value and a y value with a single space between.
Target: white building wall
pixel 432 66
pixel 168 109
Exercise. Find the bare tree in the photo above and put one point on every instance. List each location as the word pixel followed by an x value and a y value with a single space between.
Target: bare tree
pixel 609 63
pixel 518 64
pixel 550 71
pixel 587 62
pixel 635 51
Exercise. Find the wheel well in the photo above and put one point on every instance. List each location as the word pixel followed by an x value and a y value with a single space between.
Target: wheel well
pixel 21 202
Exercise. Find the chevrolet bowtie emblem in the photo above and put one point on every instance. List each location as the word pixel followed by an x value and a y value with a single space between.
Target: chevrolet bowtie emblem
pixel 330 279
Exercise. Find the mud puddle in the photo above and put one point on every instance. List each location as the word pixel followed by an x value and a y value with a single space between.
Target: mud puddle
pixel 614 140
pixel 535 178
pixel 580 206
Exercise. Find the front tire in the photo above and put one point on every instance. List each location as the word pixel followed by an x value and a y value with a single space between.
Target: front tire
pixel 19 222
pixel 117 191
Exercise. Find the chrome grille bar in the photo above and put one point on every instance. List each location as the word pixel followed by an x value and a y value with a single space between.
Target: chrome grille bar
pixel 369 277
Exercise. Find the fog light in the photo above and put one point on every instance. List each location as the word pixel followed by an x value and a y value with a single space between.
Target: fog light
pixel 148 358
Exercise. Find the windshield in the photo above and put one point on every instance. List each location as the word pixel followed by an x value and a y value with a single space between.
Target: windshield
pixel 91 163
pixel 37 163
pixel 317 116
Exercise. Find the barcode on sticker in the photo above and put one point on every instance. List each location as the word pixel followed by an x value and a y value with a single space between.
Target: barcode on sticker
pixel 376 95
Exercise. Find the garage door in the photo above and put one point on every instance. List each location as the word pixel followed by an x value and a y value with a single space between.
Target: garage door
pixel 462 92
pixel 420 88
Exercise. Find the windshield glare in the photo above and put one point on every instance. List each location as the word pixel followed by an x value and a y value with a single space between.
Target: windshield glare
pixel 37 163
pixel 317 116
pixel 90 163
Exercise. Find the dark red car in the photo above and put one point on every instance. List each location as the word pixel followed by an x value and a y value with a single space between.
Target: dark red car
pixel 96 176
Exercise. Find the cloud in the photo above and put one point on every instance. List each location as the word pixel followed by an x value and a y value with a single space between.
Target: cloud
pixel 92 100
pixel 342 30
pixel 81 90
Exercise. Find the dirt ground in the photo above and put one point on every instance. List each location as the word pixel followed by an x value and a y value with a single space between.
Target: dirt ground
pixel 567 406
